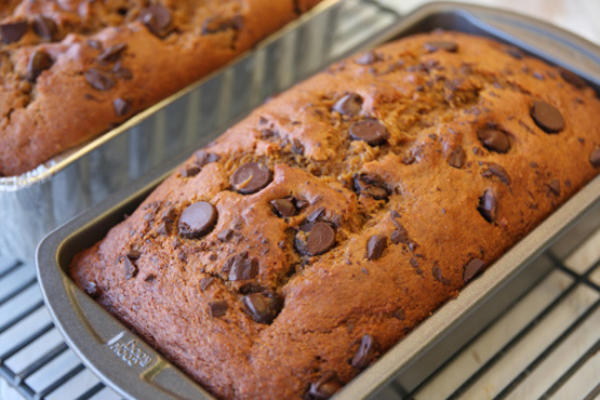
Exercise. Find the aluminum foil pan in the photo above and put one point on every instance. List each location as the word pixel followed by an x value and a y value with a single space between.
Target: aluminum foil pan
pixel 135 370
pixel 34 203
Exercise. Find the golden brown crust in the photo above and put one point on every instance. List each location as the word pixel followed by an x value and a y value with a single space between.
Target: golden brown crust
pixel 60 109
pixel 460 173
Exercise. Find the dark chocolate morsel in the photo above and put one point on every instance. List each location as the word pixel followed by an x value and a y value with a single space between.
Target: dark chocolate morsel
pixel 494 169
pixel 38 62
pixel 284 207
pixel 457 157
pixel 494 139
pixel 325 387
pixel 98 80
pixel 250 177
pixel 349 105
pixel 319 238
pixel 240 267
pixel 369 130
pixel 121 106
pixel 197 220
pixel 572 79
pixel 365 353
pixel 13 31
pixel 45 27
pixel 595 157
pixel 218 308
pixel 263 307
pixel 450 47
pixel 375 246
pixel 487 205
pixel 547 117
pixel 472 268
pixel 113 53
pixel 157 19
pixel 371 185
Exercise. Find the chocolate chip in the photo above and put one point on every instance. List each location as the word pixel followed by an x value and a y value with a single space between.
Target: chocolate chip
pixel 250 177
pixel 369 130
pixel 38 62
pixel 206 282
pixel 219 24
pixel 251 288
pixel 98 80
pixel 472 268
pixel 457 157
pixel 203 158
pixel 121 72
pixel 218 309
pixel 487 205
pixel 437 273
pixel 513 52
pixel 572 79
pixel 284 207
pixel 157 19
pixel 494 169
pixel 554 187
pixel 134 254
pixel 366 352
pixel 297 147
pixel 131 269
pixel 595 157
pixel 319 238
pixel 547 117
pixel 325 387
pixel 316 214
pixel 45 27
pixel 91 289
pixel 240 267
pixel 375 246
pixel 349 105
pixel 121 106
pixel 371 185
pixel 190 171
pixel 12 32
pixel 494 139
pixel 262 307
pixel 450 47
pixel 197 220
pixel 113 53
pixel 300 204
pixel 368 58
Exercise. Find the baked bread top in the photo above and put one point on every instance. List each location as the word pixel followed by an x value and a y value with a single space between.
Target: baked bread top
pixel 70 70
pixel 288 255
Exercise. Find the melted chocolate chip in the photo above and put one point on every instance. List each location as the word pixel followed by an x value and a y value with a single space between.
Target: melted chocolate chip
pixel 98 80
pixel 121 106
pixel 572 79
pixel 513 52
pixel 284 207
pixel 250 177
pixel 371 185
pixel 263 307
pixel 450 47
pixel 113 53
pixel 45 28
pixel 375 246
pixel 13 32
pixel 349 105
pixel 457 158
pixel 91 289
pixel 595 157
pixel 316 214
pixel 203 158
pixel 131 269
pixel 472 268
pixel 157 19
pixel 494 139
pixel 206 282
pixel 197 220
pixel 121 72
pixel 366 352
pixel 547 117
pixel 325 387
pixel 494 169
pixel 38 62
pixel 487 205
pixel 554 187
pixel 369 130
pixel 368 58
pixel 318 239
pixel 240 267
pixel 219 24
pixel 218 308
pixel 437 273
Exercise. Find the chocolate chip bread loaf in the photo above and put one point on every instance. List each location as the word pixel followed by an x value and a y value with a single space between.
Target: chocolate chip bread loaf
pixel 72 69
pixel 287 256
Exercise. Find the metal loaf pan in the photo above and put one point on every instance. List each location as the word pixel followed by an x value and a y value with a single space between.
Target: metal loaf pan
pixel 135 370
pixel 33 204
